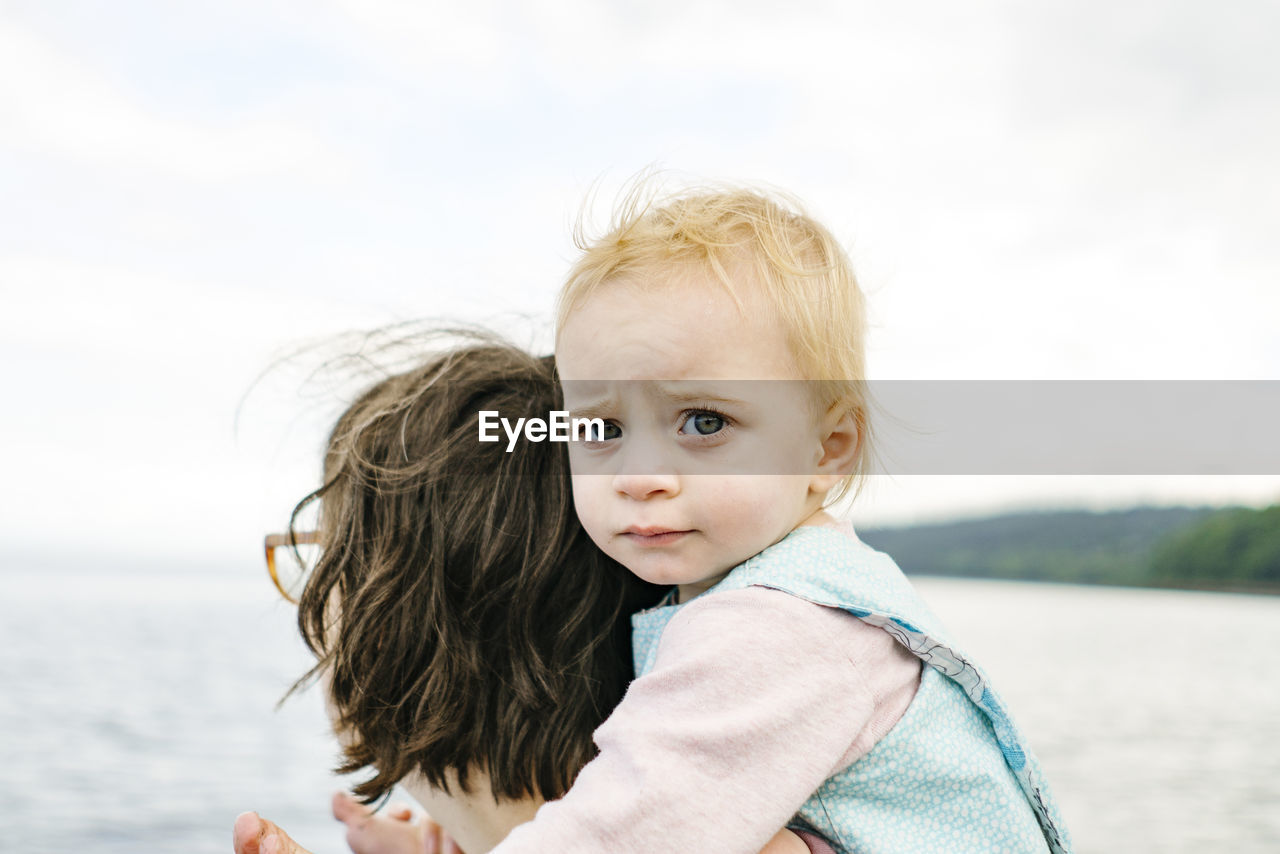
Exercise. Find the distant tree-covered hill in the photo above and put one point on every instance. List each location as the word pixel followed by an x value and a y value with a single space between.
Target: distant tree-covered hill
pixel 1233 548
pixel 1179 546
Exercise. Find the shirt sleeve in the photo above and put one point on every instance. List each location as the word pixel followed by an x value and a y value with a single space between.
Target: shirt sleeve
pixel 750 706
pixel 815 843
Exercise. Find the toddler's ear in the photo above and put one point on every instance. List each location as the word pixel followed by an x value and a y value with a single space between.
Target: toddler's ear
pixel 840 440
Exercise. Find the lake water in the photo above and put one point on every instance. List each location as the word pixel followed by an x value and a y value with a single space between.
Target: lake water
pixel 137 711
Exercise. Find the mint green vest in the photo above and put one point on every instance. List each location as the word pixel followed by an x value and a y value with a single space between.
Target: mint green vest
pixel 954 774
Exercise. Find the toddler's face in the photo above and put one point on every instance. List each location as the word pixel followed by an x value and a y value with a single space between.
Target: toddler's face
pixel 711 441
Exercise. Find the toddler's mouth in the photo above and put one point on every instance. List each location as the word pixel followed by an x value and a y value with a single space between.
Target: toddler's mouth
pixel 653 536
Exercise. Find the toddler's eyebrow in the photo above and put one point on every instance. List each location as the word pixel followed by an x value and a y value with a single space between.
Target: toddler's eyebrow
pixel 608 406
pixel 700 397
pixel 595 409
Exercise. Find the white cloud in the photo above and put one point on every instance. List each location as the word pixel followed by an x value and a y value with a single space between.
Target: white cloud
pixel 56 105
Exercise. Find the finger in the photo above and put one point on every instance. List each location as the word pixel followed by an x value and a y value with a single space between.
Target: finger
pixel 431 837
pixel 347 809
pixel 449 846
pixel 275 841
pixel 253 834
pixel 246 832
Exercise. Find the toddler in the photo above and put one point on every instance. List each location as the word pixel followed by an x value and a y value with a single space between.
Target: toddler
pixel 793 675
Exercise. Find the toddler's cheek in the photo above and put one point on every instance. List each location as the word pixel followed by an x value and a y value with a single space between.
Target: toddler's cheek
pixel 767 506
pixel 589 504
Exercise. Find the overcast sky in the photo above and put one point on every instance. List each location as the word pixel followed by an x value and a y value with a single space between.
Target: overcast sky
pixel 1049 190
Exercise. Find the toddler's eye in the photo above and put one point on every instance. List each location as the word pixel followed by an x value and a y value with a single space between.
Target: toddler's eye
pixel 594 433
pixel 702 423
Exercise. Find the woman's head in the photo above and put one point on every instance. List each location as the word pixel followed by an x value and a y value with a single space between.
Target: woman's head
pixel 463 619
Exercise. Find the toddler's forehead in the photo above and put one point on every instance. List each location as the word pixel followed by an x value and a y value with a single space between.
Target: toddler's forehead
pixel 674 328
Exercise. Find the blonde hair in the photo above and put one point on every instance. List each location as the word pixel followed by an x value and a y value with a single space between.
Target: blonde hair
pixel 803 273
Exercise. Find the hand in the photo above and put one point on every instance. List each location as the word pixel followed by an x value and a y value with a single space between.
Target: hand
pixel 395 832
pixel 255 835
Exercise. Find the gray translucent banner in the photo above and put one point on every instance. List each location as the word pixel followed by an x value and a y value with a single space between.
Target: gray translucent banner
pixel 1118 427
pixel 1112 427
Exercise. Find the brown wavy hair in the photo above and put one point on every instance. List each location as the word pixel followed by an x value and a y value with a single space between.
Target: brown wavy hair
pixel 462 615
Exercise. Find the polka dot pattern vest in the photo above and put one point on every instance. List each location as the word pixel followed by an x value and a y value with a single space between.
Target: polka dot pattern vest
pixel 954 774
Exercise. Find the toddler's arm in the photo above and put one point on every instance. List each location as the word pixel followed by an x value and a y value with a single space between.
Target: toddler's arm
pixel 750 706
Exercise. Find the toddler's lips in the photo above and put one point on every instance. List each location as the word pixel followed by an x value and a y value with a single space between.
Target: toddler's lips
pixel 653 536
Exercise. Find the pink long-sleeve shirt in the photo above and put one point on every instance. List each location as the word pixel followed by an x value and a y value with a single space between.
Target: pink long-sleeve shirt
pixel 755 698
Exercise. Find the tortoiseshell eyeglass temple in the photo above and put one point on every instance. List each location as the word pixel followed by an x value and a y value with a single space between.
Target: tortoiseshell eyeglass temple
pixel 290 574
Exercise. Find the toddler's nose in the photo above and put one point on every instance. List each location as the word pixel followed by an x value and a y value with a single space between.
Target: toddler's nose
pixel 645 467
pixel 646 484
